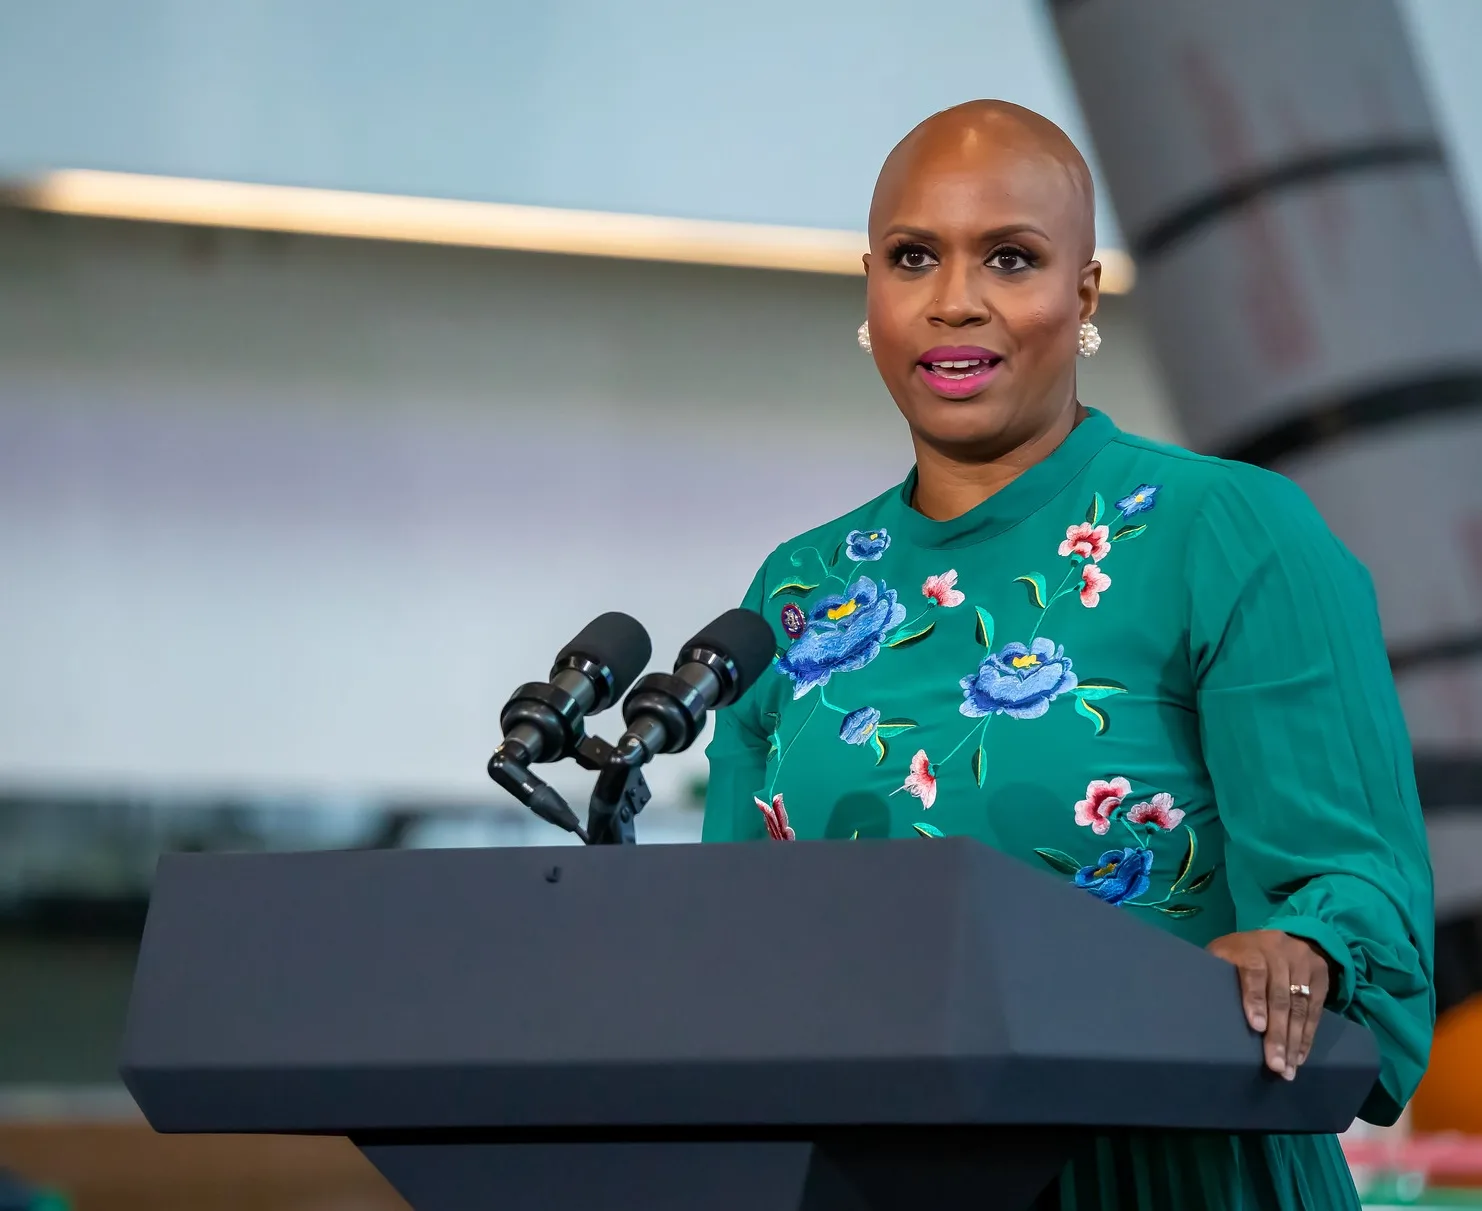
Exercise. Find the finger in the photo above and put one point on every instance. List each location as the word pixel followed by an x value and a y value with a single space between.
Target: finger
pixel 1301 1011
pixel 1278 1012
pixel 1253 992
pixel 1319 985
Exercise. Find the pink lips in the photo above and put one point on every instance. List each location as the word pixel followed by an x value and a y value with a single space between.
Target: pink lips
pixel 958 381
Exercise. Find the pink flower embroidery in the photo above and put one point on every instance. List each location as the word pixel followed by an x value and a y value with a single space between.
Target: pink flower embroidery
pixel 1087 541
pixel 1094 582
pixel 921 782
pixel 940 589
pixel 1102 798
pixel 1159 810
pixel 776 814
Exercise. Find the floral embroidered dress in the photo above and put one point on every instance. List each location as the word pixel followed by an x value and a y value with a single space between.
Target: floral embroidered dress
pixel 1154 675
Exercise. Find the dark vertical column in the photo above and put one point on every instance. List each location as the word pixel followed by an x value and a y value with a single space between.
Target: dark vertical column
pixel 1314 295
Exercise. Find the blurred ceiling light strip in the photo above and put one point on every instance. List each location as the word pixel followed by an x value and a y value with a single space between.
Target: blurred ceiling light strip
pixel 370 216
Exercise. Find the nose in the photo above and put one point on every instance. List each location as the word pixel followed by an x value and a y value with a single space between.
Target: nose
pixel 958 302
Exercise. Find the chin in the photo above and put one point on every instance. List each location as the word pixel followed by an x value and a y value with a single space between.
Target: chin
pixel 982 421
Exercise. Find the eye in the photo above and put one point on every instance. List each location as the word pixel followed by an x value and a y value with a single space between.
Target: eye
pixel 1009 259
pixel 912 256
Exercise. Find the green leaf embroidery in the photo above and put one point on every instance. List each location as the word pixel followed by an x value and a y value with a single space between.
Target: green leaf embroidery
pixel 856 835
pixel 792 586
pixel 879 746
pixel 1095 715
pixel 980 764
pixel 1098 687
pixel 1057 860
pixel 834 558
pixel 1093 514
pixel 927 830
pixel 1036 584
pixel 894 727
pixel 1188 863
pixel 905 639
pixel 985 627
pixel 1201 883
pixel 1127 532
pixel 773 751
pixel 1180 910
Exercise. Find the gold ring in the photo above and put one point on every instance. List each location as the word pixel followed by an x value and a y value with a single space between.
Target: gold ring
pixel 1301 990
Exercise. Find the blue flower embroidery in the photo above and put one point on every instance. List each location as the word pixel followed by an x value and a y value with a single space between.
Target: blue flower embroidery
pixel 859 726
pixel 1120 874
pixel 866 546
pixel 1143 499
pixel 843 634
pixel 1018 681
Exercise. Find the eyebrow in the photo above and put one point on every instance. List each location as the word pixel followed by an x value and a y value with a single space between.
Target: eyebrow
pixel 986 237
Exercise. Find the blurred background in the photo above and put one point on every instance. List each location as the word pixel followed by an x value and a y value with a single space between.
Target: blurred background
pixel 353 355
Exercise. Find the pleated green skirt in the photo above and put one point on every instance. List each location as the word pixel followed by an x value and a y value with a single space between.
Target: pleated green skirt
pixel 1142 1171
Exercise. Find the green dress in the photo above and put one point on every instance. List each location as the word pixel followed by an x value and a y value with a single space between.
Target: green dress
pixel 1155 675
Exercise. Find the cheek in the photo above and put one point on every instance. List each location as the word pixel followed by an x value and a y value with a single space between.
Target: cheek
pixel 891 312
pixel 894 334
pixel 1043 329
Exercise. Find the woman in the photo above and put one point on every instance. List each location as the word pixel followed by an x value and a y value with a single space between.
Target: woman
pixel 1087 650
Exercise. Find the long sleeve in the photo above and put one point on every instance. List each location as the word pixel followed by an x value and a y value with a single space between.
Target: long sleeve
pixel 738 759
pixel 1310 761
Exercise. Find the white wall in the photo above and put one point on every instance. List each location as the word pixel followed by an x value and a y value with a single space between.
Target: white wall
pixel 296 515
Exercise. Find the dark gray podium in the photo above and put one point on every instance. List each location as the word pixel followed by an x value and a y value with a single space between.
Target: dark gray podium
pixel 876 1026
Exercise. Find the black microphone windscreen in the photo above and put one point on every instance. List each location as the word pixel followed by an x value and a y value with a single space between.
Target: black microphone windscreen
pixel 745 637
pixel 616 640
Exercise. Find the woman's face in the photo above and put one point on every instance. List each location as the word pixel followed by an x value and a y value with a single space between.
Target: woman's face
pixel 979 277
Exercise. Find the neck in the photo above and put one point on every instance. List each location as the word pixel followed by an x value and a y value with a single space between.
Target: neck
pixel 948 486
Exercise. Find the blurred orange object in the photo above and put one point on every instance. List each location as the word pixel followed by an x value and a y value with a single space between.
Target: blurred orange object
pixel 1450 1096
pixel 127 1167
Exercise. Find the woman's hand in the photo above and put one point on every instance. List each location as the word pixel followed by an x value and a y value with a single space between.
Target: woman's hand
pixel 1271 964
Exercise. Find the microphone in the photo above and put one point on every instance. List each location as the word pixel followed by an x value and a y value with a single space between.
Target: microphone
pixel 542 721
pixel 666 711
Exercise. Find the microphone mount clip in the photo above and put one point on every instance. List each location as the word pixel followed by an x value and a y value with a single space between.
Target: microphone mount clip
pixel 621 791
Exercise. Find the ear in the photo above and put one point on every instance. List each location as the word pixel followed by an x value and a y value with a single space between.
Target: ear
pixel 1089 289
pixel 865 261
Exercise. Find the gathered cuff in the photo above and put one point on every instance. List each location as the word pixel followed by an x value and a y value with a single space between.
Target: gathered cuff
pixel 1320 933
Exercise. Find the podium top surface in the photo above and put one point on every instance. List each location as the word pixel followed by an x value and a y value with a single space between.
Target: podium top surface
pixel 754 986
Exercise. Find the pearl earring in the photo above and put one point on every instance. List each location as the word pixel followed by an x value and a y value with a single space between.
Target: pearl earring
pixel 1089 340
pixel 864 336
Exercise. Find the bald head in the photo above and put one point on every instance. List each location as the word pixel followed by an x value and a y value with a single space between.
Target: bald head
pixel 991 138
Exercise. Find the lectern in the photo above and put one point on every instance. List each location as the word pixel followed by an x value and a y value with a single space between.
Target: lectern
pixel 870 1026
